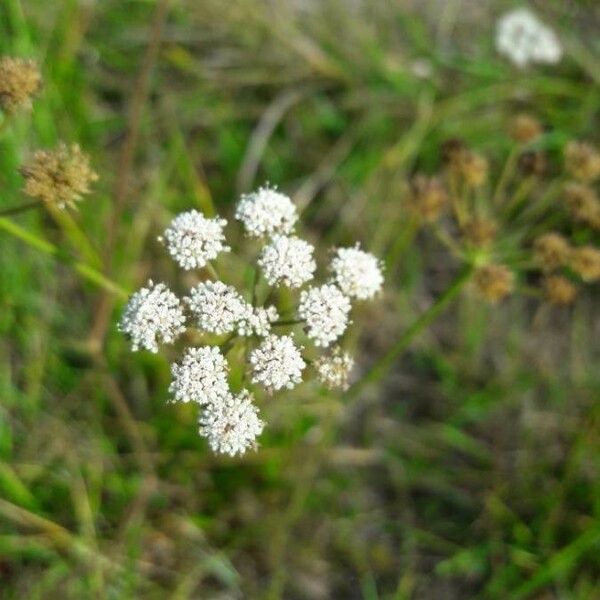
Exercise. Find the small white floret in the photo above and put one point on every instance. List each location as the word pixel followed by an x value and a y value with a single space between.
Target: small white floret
pixel 192 239
pixel 153 314
pixel 287 261
pixel 265 212
pixel 357 273
pixel 334 369
pixel 232 425
pixel 217 307
pixel 257 321
pixel 325 310
pixel 201 376
pixel 277 363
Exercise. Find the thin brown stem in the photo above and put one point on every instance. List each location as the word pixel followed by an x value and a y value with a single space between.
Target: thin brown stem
pixel 126 159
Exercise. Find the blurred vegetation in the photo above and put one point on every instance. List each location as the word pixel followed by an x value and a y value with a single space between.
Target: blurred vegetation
pixel 468 470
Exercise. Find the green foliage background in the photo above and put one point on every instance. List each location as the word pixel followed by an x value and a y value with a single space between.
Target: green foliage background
pixel 470 470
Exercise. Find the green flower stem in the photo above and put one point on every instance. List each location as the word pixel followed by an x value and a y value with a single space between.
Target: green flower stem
pixel 14 210
pixel 73 233
pixel 419 324
pixel 84 270
pixel 211 271
pixel 288 322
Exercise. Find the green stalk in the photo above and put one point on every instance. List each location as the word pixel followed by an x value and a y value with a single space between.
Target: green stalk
pixel 83 269
pixel 383 365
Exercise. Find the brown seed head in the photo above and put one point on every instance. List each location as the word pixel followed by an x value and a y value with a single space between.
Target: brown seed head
pixel 61 176
pixel 20 79
pixel 524 128
pixel 493 282
pixel 480 232
pixel 452 150
pixel 585 261
pixel 532 163
pixel 428 197
pixel 474 168
pixel 582 161
pixel 551 251
pixel 559 290
pixel 583 203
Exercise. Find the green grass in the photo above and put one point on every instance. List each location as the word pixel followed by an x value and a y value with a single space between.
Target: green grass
pixel 464 466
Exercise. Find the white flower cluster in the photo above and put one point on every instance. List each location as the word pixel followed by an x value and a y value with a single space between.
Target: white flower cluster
pixel 192 239
pixel 325 310
pixel 287 261
pixel 277 363
pixel 152 314
pixel 230 421
pixel 333 370
pixel 266 212
pixel 524 39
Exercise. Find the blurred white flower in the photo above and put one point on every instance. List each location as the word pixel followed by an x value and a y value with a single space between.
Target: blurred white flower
pixel 325 310
pixel 277 363
pixel 232 425
pixel 257 321
pixel 334 369
pixel 201 376
pixel 524 39
pixel 192 239
pixel 153 314
pixel 357 273
pixel 287 261
pixel 266 212
pixel 217 307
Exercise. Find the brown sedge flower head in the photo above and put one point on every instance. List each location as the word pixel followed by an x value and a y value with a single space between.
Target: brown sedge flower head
pixel 479 232
pixel 559 290
pixel 428 198
pixel 524 128
pixel 551 251
pixel 583 203
pixel 585 261
pixel 532 163
pixel 582 161
pixel 493 282
pixel 452 150
pixel 474 168
pixel 60 176
pixel 20 79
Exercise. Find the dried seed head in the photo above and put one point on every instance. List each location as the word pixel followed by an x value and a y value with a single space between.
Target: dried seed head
pixel 493 282
pixel 583 203
pixel 551 251
pixel 582 161
pixel 428 198
pixel 585 261
pixel 525 128
pixel 61 176
pixel 559 290
pixel 480 232
pixel 20 79
pixel 474 169
pixel 452 151
pixel 532 163
pixel 333 369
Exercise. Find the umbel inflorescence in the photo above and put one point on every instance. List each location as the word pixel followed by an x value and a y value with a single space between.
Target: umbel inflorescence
pixel 281 350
